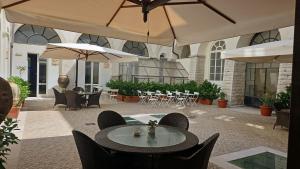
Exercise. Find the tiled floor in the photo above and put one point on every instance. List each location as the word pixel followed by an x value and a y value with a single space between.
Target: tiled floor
pixel 47 143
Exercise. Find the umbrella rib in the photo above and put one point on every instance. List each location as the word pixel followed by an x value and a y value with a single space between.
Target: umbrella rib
pixel 217 11
pixel 115 14
pixel 167 4
pixel 14 4
pixel 172 29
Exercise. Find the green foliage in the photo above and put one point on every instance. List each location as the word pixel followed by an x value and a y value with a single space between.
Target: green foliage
pixel 267 100
pixel 23 86
pixel 208 90
pixel 7 138
pixel 152 123
pixel 222 96
pixel 283 99
pixel 129 88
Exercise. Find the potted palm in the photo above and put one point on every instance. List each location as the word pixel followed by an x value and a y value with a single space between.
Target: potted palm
pixel 267 104
pixel 222 102
pixel 208 92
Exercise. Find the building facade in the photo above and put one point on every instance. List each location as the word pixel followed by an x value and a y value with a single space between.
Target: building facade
pixel 21 47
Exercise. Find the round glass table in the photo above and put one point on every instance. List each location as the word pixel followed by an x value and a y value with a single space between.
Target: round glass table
pixel 167 139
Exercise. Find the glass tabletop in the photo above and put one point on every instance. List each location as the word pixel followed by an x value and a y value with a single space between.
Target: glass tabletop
pixel 163 136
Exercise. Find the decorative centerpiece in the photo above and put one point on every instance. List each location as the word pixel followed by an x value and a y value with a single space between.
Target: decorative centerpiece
pixel 152 125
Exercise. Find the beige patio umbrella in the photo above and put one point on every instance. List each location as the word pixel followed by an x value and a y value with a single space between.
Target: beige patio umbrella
pixel 187 21
pixel 272 52
pixel 86 52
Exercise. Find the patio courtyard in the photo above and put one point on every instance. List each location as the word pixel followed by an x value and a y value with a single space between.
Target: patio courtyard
pixel 47 141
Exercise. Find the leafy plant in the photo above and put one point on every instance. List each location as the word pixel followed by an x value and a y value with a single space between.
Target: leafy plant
pixel 7 138
pixel 152 123
pixel 222 96
pixel 267 100
pixel 21 69
pixel 23 86
pixel 208 90
pixel 283 99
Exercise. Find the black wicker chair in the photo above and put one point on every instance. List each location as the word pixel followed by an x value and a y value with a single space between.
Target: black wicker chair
pixel 73 100
pixel 92 155
pixel 175 120
pixel 78 89
pixel 282 118
pixel 194 158
pixel 110 118
pixel 94 99
pixel 60 98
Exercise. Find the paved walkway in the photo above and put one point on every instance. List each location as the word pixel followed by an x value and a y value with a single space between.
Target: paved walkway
pixel 47 142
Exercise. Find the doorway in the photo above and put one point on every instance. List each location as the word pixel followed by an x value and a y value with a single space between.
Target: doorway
pixel 32 74
pixel 260 79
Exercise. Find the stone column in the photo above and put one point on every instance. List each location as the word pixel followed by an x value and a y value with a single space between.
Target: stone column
pixel 284 77
pixel 234 82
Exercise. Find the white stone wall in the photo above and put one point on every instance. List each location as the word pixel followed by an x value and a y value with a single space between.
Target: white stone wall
pixel 5 50
pixel 284 77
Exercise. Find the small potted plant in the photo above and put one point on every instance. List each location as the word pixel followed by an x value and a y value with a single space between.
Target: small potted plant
pixel 152 125
pixel 23 93
pixel 267 105
pixel 222 102
pixel 208 92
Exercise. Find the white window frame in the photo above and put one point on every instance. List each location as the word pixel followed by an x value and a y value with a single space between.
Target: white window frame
pixel 38 77
pixel 91 84
pixel 219 49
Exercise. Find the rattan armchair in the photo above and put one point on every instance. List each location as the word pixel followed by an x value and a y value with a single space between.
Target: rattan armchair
pixel 60 98
pixel 194 158
pixel 282 118
pixel 94 99
pixel 176 120
pixel 73 100
pixel 110 118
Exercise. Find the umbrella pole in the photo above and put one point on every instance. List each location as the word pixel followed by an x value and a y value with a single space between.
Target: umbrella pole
pixel 76 78
pixel 294 128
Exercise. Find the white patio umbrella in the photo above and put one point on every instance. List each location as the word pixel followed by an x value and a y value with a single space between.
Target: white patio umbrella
pixel 278 52
pixel 186 21
pixel 86 52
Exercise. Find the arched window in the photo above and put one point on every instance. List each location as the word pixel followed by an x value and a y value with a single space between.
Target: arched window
pixel 37 35
pixel 136 48
pixel 94 40
pixel 216 63
pixel 265 37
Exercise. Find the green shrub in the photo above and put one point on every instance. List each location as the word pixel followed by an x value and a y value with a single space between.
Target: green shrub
pixel 208 90
pixel 283 99
pixel 7 138
pixel 23 86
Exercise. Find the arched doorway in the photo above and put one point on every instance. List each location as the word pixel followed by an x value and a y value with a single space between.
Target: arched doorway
pixel 37 67
pixel 92 69
pixel 261 78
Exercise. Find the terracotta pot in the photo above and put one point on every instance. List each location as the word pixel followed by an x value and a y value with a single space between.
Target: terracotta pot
pixel 63 81
pixel 206 101
pixel 132 99
pixel 120 98
pixel 265 110
pixel 222 103
pixel 14 112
